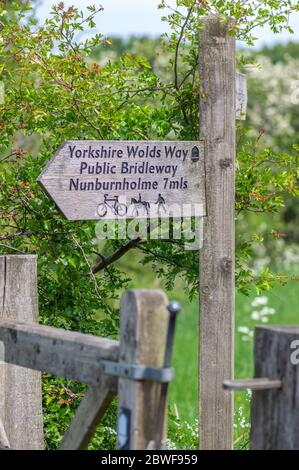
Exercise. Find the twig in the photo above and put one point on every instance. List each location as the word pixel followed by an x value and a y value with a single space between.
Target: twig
pixel 93 14
pixel 96 286
pixel 107 260
pixel 12 237
pixel 188 74
pixel 59 81
pixel 87 120
pixel 24 233
pixel 176 58
pixel 137 91
pixel 12 248
pixel 7 157
pixel 164 258
pixel 139 132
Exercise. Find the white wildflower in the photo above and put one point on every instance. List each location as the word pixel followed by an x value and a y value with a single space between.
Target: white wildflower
pixel 262 300
pixel 267 311
pixel 243 329
pixel 255 315
pixel 265 319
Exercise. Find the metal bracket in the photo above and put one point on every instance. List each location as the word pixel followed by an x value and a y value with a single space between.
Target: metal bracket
pixel 138 372
pixel 260 383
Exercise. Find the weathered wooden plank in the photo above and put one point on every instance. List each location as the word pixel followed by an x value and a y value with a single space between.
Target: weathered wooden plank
pixel 144 321
pixel 89 414
pixel 262 383
pixel 20 389
pixel 67 354
pixel 217 256
pixel 275 413
pixel 150 179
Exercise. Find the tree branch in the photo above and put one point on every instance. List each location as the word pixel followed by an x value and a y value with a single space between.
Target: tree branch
pixel 176 58
pixel 96 286
pixel 107 260
pixel 2 245
pixel 188 74
pixel 13 154
pixel 170 261
pixel 28 234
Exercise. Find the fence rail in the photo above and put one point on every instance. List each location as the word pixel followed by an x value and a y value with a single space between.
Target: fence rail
pixel 105 365
pixel 75 356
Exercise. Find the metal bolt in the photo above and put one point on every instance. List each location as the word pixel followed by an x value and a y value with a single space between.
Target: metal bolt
pixel 174 307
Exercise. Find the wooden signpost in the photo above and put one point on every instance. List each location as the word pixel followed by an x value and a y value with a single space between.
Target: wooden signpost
pixel 93 180
pixel 102 180
pixel 217 256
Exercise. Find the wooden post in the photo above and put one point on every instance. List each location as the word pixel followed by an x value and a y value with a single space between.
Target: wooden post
pixel 144 322
pixel 20 388
pixel 217 257
pixel 275 413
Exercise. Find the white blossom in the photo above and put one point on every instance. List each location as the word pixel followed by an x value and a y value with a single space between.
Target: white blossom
pixel 263 300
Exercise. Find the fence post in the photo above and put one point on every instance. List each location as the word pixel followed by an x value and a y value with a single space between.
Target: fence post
pixel 217 256
pixel 275 413
pixel 20 388
pixel 144 322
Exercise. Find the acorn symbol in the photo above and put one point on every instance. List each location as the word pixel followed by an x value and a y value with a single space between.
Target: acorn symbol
pixel 195 155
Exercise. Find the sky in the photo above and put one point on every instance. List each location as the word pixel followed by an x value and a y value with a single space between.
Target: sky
pixel 126 17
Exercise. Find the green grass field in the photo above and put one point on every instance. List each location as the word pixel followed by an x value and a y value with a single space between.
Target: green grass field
pixel 184 392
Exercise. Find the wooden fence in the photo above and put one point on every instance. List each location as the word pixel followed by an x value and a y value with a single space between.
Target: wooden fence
pixel 137 367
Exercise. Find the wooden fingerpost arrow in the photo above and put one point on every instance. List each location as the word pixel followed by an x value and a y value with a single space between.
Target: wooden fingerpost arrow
pixel 104 180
